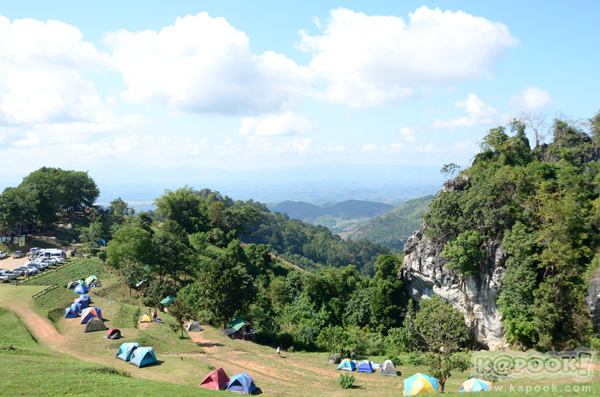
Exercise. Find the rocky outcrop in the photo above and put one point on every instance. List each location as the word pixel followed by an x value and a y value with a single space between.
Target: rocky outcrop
pixel 592 300
pixel 423 274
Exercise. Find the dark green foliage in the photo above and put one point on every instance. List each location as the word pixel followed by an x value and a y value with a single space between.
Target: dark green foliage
pixel 345 381
pixel 387 299
pixel 393 228
pixel 542 205
pixel 181 313
pixel 157 291
pixel 464 253
pixel 130 243
pixel 442 330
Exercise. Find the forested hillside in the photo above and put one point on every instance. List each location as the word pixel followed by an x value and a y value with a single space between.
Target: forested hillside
pixel 338 217
pixel 541 207
pixel 393 228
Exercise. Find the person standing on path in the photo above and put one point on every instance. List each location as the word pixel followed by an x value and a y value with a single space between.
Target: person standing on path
pixel 155 315
pixel 278 351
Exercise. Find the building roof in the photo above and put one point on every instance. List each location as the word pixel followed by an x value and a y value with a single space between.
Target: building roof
pixel 238 323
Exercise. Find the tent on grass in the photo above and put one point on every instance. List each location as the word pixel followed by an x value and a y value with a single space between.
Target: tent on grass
pixel 81 289
pixel 216 380
pixel 77 307
pixel 90 280
pixel 145 318
pixel 239 324
pixel 229 331
pixel 347 365
pixel 365 366
pixel 420 384
pixel 85 303
pixel 193 326
pixel 241 383
pixel 143 356
pixel 475 384
pixel 388 368
pixel 70 312
pixel 85 296
pixel 72 285
pixel 95 324
pixel 126 350
pixel 90 313
pixel 167 301
pixel 113 333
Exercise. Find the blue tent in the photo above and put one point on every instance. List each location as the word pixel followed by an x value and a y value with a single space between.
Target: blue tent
pixel 241 383
pixel 347 365
pixel 81 289
pixel 143 356
pixel 90 313
pixel 77 307
pixel 70 312
pixel 126 350
pixel 85 303
pixel 85 296
pixel 365 366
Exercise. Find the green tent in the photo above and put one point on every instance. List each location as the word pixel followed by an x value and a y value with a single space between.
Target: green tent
pixel 238 324
pixel 167 301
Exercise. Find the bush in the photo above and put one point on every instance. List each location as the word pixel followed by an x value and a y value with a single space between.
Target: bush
pixel 396 360
pixel 101 255
pixel 345 381
pixel 291 349
pixel 416 358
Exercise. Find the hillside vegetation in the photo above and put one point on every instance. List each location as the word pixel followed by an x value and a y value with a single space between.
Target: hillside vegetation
pixel 338 217
pixel 393 228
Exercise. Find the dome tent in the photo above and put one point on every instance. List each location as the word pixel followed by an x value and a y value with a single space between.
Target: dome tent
pixel 72 284
pixel 388 368
pixel 216 380
pixel 420 384
pixel 81 289
pixel 145 318
pixel 143 356
pixel 90 313
pixel 347 365
pixel 474 384
pixel 193 326
pixel 113 333
pixel 70 312
pixel 77 307
pixel 95 324
pixel 365 366
pixel 241 383
pixel 126 350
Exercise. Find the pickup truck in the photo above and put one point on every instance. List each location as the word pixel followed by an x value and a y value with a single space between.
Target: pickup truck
pixel 17 254
pixel 6 276
pixel 3 254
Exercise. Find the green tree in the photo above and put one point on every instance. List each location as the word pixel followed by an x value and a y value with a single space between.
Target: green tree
pixel 118 210
pixel 132 273
pixel 333 339
pixel 130 243
pixel 449 170
pixel 181 312
pixel 387 301
pixel 223 289
pixel 92 234
pixel 442 329
pixel 185 207
pixel 464 253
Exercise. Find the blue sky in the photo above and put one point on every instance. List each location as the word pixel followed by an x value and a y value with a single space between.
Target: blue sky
pixel 243 85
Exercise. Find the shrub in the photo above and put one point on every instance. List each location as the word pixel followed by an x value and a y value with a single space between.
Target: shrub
pixel 396 360
pixel 291 349
pixel 416 358
pixel 345 381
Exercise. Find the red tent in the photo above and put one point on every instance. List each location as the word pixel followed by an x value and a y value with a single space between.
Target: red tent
pixel 216 380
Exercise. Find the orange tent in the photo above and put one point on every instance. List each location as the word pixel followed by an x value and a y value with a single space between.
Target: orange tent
pixel 216 380
pixel 90 313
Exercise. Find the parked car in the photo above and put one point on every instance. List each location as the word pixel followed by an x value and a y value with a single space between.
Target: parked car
pixel 9 275
pixel 17 254
pixel 18 271
pixel 32 270
pixel 3 254
pixel 33 251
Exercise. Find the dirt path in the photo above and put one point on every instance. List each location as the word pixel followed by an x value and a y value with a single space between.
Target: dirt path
pixel 41 328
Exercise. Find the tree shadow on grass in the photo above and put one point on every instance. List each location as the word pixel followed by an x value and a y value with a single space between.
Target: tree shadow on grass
pixel 209 344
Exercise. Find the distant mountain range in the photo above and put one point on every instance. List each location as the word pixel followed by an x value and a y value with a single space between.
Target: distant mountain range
pixel 394 227
pixel 347 209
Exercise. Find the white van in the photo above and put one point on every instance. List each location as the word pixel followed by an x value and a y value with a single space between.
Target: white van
pixel 52 253
pixel 3 254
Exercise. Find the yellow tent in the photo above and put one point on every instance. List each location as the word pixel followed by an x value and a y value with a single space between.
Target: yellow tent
pixel 145 318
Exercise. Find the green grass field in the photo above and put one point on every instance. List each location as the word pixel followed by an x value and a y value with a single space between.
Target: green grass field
pixel 52 355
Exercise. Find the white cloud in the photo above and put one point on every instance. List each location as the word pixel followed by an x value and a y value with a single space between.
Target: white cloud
pixel 228 141
pixel 376 60
pixel 533 98
pixel 41 74
pixel 371 147
pixel 479 113
pixel 467 147
pixel 204 65
pixel 408 134
pixel 288 123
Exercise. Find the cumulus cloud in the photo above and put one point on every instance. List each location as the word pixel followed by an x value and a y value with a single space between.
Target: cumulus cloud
pixel 288 123
pixel 377 60
pixel 393 148
pixel 204 65
pixel 479 113
pixel 408 134
pixel 42 66
pixel 467 147
pixel 533 98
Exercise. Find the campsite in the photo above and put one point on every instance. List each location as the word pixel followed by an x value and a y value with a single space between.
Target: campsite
pixel 41 328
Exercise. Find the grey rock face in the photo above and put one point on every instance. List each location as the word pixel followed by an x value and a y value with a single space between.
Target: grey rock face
pixel 423 275
pixel 335 359
pixel 592 300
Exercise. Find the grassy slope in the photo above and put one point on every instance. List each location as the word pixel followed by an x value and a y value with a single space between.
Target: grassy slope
pixel 35 369
pixel 392 229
